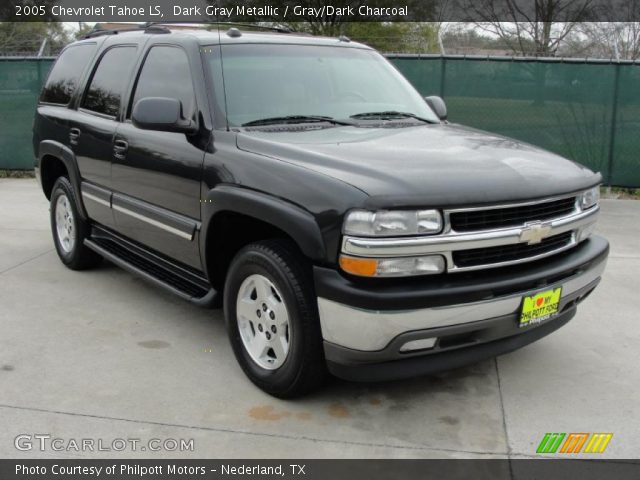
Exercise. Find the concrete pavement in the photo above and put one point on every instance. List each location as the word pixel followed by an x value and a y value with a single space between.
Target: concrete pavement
pixel 103 355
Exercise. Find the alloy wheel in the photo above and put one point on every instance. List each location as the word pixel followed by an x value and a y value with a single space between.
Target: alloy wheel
pixel 263 322
pixel 65 224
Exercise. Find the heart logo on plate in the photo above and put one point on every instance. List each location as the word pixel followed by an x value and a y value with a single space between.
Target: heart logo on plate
pixel 539 301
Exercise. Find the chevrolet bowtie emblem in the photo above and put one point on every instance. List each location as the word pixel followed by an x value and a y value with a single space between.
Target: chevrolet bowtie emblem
pixel 535 232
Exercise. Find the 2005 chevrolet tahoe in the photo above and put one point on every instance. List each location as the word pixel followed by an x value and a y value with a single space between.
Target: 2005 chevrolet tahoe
pixel 303 183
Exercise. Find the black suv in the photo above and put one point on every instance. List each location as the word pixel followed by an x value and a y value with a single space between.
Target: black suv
pixel 304 185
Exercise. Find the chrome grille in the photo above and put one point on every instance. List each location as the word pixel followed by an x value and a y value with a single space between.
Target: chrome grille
pixel 478 238
pixel 504 217
pixel 511 253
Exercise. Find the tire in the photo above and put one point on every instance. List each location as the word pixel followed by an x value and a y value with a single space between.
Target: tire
pixel 269 284
pixel 68 229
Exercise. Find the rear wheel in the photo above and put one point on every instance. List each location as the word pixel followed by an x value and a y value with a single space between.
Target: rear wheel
pixel 69 230
pixel 272 320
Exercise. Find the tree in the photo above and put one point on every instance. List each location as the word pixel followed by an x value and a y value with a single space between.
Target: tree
pixel 26 37
pixel 537 29
pixel 395 37
pixel 83 29
pixel 333 23
pixel 618 40
pixel 466 38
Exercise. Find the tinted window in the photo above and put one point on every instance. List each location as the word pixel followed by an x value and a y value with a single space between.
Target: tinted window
pixel 109 80
pixel 166 73
pixel 65 75
pixel 270 80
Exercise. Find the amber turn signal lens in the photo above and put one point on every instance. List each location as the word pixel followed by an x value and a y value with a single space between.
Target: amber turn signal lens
pixel 364 267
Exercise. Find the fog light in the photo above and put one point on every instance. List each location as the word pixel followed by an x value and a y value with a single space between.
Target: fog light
pixel 392 267
pixel 422 344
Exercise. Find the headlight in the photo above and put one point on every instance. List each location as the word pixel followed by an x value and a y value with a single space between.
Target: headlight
pixel 392 267
pixel 392 223
pixel 589 198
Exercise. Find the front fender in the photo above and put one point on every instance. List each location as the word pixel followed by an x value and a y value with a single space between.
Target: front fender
pixel 51 148
pixel 296 222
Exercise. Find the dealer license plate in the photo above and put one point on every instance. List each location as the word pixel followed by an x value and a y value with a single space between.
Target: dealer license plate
pixel 540 307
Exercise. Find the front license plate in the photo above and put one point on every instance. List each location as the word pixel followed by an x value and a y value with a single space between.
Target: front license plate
pixel 540 307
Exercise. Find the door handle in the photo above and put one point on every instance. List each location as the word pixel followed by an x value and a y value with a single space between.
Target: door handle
pixel 74 134
pixel 120 148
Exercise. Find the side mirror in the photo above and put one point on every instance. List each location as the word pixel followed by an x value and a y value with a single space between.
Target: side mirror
pixel 438 106
pixel 162 114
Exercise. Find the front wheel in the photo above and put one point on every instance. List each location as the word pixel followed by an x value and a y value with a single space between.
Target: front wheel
pixel 272 319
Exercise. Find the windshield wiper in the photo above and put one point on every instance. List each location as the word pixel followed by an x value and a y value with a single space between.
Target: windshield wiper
pixel 291 119
pixel 388 115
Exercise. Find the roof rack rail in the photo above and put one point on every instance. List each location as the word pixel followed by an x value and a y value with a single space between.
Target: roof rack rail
pixel 160 27
pixel 275 28
pixel 148 27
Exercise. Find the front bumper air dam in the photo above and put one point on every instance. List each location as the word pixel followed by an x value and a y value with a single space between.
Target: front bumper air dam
pixel 471 317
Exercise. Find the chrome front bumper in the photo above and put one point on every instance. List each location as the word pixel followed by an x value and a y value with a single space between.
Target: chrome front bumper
pixel 366 330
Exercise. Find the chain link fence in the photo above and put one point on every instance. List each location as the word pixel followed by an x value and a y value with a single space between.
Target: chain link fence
pixel 586 110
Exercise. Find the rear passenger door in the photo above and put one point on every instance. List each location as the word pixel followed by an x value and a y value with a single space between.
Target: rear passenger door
pixel 156 175
pixel 93 125
pixel 52 119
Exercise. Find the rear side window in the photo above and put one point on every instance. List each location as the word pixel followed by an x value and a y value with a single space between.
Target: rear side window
pixel 65 74
pixel 166 73
pixel 109 81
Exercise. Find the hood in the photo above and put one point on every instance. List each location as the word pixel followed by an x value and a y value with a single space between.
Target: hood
pixel 436 165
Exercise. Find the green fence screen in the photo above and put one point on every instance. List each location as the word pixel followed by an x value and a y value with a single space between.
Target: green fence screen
pixel 20 83
pixel 588 111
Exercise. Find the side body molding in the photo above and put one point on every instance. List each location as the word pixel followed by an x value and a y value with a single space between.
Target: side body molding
pixel 66 155
pixel 298 223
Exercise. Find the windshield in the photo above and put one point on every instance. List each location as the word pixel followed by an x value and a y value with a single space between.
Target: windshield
pixel 270 81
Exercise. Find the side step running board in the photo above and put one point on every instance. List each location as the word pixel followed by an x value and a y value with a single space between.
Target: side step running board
pixel 181 281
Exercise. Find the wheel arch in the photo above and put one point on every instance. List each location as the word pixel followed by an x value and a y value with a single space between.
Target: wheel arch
pixel 54 160
pixel 234 217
